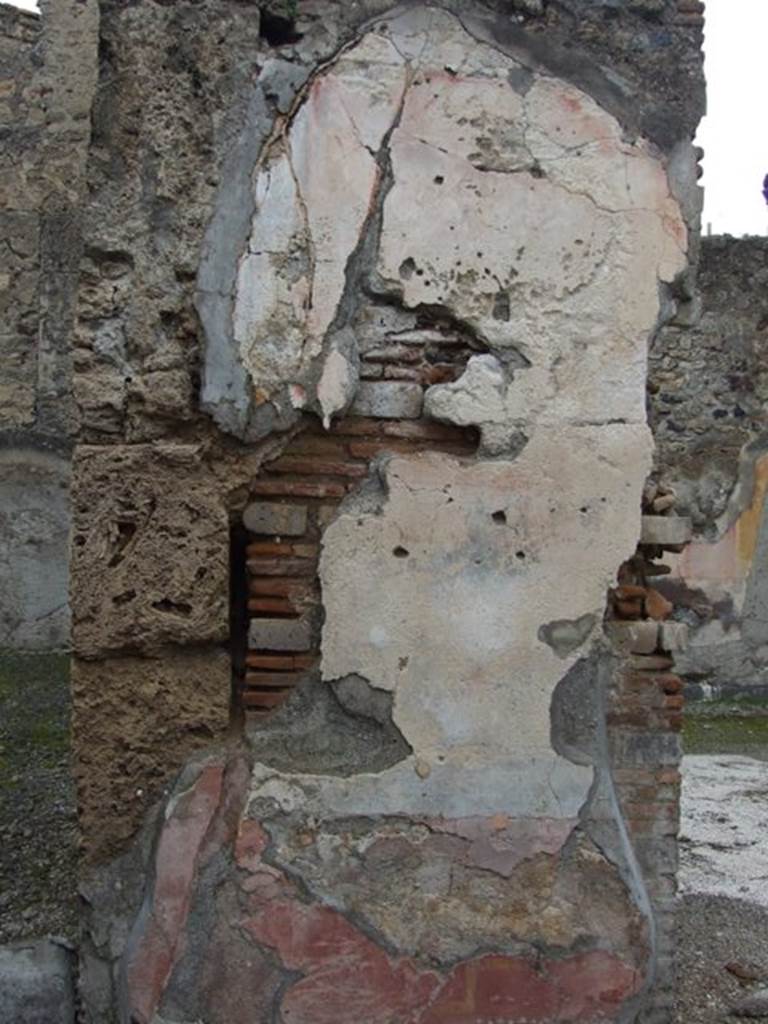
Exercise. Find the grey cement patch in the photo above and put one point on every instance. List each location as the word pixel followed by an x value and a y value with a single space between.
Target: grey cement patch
pixel 564 636
pixel 342 729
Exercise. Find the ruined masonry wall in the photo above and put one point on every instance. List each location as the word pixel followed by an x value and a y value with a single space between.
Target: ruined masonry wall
pixel 708 392
pixel 359 368
pixel 47 77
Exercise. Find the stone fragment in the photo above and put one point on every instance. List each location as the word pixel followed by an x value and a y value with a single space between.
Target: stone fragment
pixel 565 635
pixel 663 503
pixel 755 1005
pixel 745 971
pixel 664 530
pixel 36 985
pixel 275 519
pixel 633 637
pixel 280 634
pixel 388 400
pixel 673 636
pixel 650 663
pixel 341 372
pixel 657 606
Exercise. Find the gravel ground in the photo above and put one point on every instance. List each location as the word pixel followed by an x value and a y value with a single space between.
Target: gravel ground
pixel 713 931
pixel 37 803
pixel 722 915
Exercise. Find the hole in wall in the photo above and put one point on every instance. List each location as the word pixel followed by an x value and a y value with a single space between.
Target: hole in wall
pixel 400 551
pixel 407 268
pixel 499 517
pixel 277 29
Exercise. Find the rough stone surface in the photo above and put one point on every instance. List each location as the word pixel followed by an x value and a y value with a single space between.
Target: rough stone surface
pixel 36 983
pixel 135 721
pixel 34 536
pixel 708 380
pixel 708 391
pixel 47 79
pixel 150 549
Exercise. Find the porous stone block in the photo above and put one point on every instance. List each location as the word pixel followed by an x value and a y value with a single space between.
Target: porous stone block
pixel 663 530
pixel 388 399
pixel 36 984
pixel 150 549
pixel 134 723
pixel 280 634
pixel 275 519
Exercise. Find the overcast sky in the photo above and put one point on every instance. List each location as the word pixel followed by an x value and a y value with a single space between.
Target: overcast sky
pixel 736 147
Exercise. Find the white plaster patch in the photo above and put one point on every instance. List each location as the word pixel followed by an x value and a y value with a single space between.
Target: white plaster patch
pixel 532 221
pixel 313 192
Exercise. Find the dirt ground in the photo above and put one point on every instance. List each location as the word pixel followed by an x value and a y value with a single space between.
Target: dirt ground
pixel 38 829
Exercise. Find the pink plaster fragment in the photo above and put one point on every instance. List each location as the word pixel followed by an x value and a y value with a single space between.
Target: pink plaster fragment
pixel 158 946
pixel 250 843
pixel 500 843
pixel 347 976
pixel 592 986
pixel 584 989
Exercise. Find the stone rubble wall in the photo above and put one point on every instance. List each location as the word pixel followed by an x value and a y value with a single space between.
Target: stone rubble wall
pixel 708 382
pixel 47 78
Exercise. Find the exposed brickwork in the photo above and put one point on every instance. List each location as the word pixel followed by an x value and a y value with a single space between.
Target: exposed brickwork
pixel 306 484
pixel 645 715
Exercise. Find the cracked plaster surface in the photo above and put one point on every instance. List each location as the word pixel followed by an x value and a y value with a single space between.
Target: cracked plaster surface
pixel 525 213
pixel 413 169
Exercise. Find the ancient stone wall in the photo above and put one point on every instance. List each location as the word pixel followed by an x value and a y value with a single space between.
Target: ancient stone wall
pixel 359 368
pixel 47 77
pixel 708 393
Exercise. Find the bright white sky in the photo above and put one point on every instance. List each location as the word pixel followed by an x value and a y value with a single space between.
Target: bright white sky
pixel 736 147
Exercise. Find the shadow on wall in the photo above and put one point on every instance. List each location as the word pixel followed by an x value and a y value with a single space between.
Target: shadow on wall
pixel 34 534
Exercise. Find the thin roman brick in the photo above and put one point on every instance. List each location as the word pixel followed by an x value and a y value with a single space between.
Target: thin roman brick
pixel 299 488
pixel 275 586
pixel 280 662
pixel 272 606
pixel 307 444
pixel 259 548
pixel 265 699
pixel 281 566
pixel 357 426
pixel 370 448
pixel 423 430
pixel 272 680
pixel 317 467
